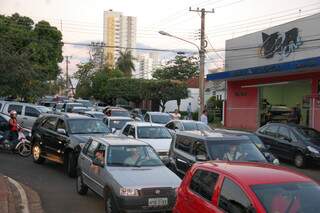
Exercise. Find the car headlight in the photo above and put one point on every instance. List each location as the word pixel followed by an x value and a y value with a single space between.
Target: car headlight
pixel 129 192
pixel 312 149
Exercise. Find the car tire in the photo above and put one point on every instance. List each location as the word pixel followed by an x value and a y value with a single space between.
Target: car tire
pixel 71 166
pixel 299 161
pixel 36 154
pixel 82 189
pixel 110 204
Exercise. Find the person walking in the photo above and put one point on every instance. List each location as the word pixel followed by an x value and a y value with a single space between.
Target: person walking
pixel 13 129
pixel 176 115
pixel 204 117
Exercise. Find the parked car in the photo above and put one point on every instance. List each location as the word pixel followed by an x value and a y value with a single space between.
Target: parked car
pixel 154 134
pixel 138 113
pixel 157 117
pixel 128 174
pixel 59 138
pixel 79 109
pixel 26 113
pixel 237 187
pixel 86 103
pixel 57 107
pixel 292 142
pixel 68 106
pixel 117 111
pixel 94 114
pixel 115 124
pixel 187 125
pixel 256 140
pixel 190 147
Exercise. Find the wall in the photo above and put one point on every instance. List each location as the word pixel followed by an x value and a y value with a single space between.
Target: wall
pixel 193 99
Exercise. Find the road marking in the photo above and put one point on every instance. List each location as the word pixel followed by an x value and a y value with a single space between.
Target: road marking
pixel 23 195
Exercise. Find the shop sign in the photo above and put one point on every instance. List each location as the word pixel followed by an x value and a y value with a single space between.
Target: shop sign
pixel 281 44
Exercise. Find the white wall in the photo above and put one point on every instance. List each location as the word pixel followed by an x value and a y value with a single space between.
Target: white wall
pixel 309 28
pixel 193 99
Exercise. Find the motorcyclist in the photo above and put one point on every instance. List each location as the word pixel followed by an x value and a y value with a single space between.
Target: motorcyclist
pixel 13 129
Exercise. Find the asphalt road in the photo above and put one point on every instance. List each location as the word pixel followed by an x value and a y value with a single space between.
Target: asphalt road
pixel 57 191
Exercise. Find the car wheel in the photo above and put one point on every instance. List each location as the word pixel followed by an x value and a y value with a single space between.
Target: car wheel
pixel 299 160
pixel 82 189
pixel 110 204
pixel 36 154
pixel 71 165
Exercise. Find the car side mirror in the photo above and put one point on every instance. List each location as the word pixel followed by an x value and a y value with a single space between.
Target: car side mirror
pixel 201 158
pixel 97 162
pixel 113 130
pixel 130 136
pixel 61 131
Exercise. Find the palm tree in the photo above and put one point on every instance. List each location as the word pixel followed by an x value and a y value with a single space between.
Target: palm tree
pixel 125 63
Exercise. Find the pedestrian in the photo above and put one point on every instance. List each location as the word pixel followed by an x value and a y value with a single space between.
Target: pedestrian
pixel 13 129
pixel 176 115
pixel 204 116
pixel 189 111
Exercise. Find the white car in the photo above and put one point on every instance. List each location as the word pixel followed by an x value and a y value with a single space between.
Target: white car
pixel 161 118
pixel 155 135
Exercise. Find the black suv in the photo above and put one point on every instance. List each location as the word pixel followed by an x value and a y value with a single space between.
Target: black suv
pixel 190 147
pixel 292 142
pixel 60 137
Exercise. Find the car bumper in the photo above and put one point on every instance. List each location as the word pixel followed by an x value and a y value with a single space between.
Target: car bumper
pixel 314 158
pixel 140 204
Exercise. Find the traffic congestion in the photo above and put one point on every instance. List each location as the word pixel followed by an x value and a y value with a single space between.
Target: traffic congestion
pixel 156 162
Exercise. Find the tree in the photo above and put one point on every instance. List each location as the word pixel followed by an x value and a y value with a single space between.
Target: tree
pixel 181 68
pixel 29 56
pixel 125 63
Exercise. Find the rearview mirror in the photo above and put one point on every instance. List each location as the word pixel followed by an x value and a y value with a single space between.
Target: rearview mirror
pixel 62 131
pixel 97 162
pixel 201 158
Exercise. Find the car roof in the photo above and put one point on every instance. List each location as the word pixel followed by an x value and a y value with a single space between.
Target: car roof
pixel 71 116
pixel 118 140
pixel 143 124
pixel 250 173
pixel 20 103
pixel 234 132
pixel 157 113
pixel 119 118
pixel 212 135
pixel 94 112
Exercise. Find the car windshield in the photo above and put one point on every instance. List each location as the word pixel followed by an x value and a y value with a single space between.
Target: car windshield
pixel 87 126
pixel 98 115
pixel 256 140
pixel 132 156
pixel 191 126
pixel 243 150
pixel 86 103
pixel 309 133
pixel 118 113
pixel 154 132
pixel 118 124
pixel 43 109
pixel 289 197
pixel 161 119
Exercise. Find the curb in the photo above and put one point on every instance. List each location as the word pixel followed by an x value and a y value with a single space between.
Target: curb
pixel 24 200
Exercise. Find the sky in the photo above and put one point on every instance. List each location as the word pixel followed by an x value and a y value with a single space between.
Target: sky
pixel 81 20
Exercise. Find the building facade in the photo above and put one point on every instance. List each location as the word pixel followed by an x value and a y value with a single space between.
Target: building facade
pixel 271 73
pixel 119 33
pixel 146 64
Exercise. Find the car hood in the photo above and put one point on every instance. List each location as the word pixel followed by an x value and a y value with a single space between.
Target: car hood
pixel 315 141
pixel 162 145
pixel 145 177
pixel 83 138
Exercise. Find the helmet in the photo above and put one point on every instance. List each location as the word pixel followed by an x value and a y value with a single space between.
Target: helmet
pixel 13 112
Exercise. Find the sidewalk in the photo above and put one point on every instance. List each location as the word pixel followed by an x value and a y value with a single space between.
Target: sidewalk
pixel 17 198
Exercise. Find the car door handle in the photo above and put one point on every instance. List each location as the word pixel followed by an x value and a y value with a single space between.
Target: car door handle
pixel 182 161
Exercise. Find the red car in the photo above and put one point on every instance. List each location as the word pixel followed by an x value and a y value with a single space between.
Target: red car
pixel 239 187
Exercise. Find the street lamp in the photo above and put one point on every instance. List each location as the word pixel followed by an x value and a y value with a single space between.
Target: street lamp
pixel 201 76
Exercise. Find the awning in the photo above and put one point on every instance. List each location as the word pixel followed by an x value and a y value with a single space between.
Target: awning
pixel 282 68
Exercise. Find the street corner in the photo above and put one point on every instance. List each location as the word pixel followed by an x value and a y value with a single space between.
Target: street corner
pixel 18 198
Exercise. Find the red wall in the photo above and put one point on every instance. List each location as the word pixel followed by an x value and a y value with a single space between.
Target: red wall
pixel 242 103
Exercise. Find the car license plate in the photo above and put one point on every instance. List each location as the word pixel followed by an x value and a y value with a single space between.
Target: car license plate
pixel 158 201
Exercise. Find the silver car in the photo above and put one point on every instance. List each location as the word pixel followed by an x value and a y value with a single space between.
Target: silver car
pixel 128 174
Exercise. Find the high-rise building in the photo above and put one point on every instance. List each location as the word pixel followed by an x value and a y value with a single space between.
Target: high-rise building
pixel 119 32
pixel 146 64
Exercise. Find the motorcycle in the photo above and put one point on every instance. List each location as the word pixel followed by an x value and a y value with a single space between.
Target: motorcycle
pixel 23 147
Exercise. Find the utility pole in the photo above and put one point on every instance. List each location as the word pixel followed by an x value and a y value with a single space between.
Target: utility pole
pixel 203 45
pixel 67 73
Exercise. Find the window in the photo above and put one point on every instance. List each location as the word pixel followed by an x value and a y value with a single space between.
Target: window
pixel 32 112
pixel 106 121
pixel 233 199
pixel 183 144
pixel 170 125
pixel 61 125
pixel 263 129
pixel 178 125
pixel 147 118
pixel 272 131
pixel 199 148
pixel 126 130
pixel 283 133
pixel 50 123
pixel 92 148
pixel 17 108
pixel 203 183
pixel 86 146
pixel 132 131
